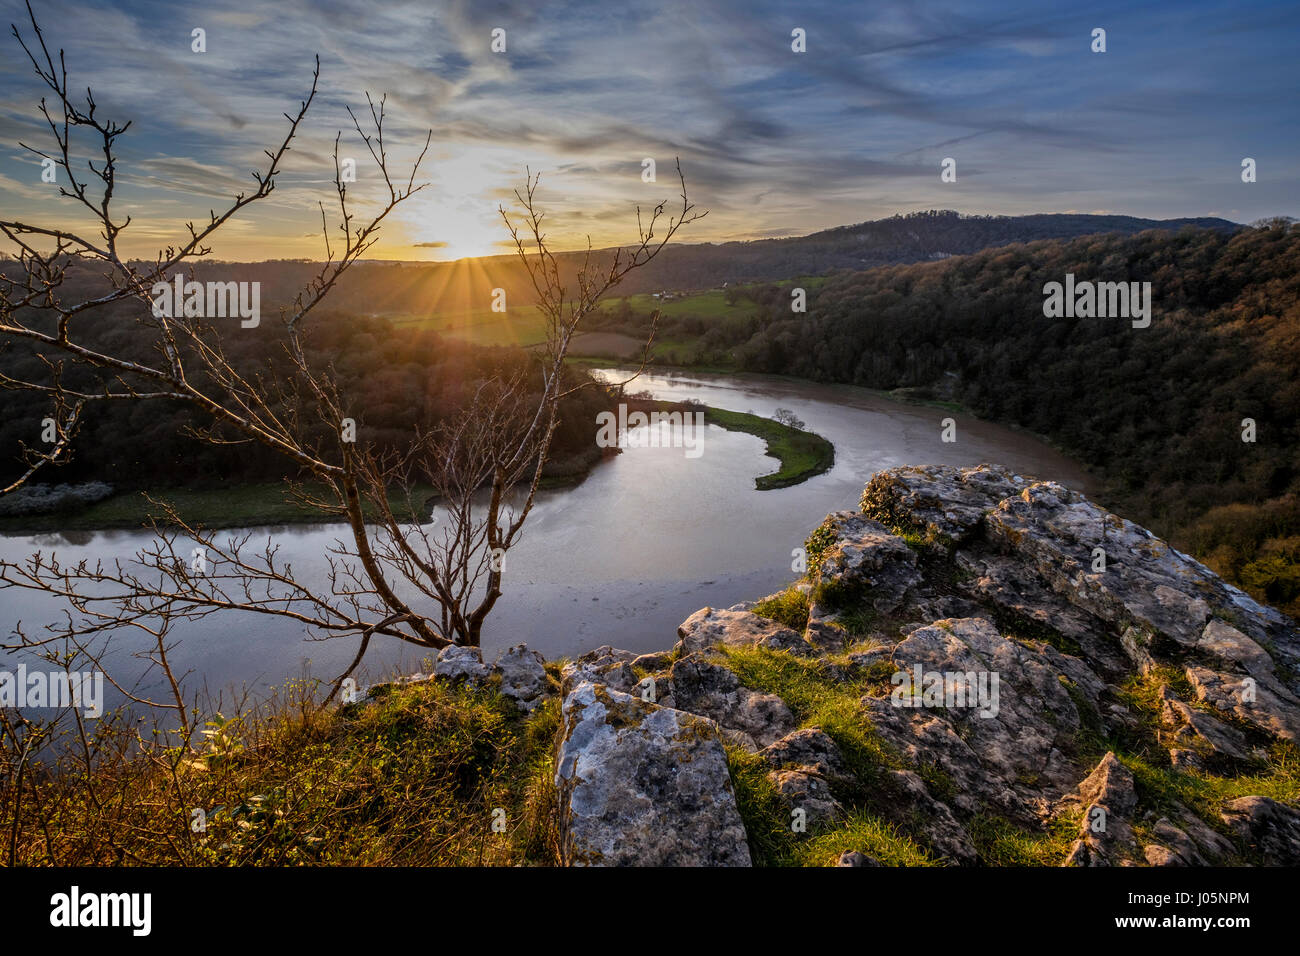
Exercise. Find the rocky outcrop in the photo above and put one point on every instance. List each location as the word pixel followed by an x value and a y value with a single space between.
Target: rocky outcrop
pixel 1199 736
pixel 807 796
pixel 944 504
pixel 997 648
pixel 1123 576
pixel 1074 604
pixel 1189 842
pixel 457 664
pixel 988 731
pixel 811 751
pixel 523 676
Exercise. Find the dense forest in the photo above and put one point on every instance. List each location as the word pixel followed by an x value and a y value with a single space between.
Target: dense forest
pixel 1157 412
pixel 392 379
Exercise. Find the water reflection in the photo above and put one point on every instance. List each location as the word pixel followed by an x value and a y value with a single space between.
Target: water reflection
pixel 649 537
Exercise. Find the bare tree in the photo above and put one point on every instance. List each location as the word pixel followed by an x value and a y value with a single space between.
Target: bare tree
pixel 788 418
pixel 486 462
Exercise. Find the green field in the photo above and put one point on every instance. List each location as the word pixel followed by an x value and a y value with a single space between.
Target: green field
pixel 522 326
pixel 711 304
pixel 802 454
pixel 525 326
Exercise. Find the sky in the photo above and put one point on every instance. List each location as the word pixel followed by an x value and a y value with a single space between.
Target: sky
pixel 773 142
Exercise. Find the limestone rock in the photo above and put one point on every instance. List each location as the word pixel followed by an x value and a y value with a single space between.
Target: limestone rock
pixel 1197 731
pixel 523 676
pixel 604 665
pixel 943 502
pixel 1145 583
pixel 823 631
pixel 1209 842
pixel 935 820
pixel 865 557
pixel 1253 702
pixel 1003 750
pixel 856 858
pixel 456 663
pixel 871 657
pixel 1176 847
pixel 1267 827
pixel 658 661
pixel 1223 641
pixel 809 749
pixel 1158 855
pixel 1110 785
pixel 643 785
pixel 1015 588
pixel 708 628
pixel 1109 799
pixel 809 793
pixel 715 692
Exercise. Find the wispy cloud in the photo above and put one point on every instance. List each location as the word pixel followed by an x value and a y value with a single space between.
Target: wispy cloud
pixel 773 142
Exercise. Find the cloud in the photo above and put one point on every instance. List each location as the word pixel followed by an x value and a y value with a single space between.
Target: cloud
pixel 772 142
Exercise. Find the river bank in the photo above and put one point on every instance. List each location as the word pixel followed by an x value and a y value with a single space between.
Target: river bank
pixel 644 541
pixel 800 455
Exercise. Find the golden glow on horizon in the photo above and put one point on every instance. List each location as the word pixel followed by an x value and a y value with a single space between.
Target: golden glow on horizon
pixel 455 216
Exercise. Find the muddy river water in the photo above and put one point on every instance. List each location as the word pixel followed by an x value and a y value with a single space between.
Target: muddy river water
pixel 650 536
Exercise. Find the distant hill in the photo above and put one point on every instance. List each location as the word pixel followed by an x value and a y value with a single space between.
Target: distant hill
pixel 901 239
pixel 425 288
pixel 920 235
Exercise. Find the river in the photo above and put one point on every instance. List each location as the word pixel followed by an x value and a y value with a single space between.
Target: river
pixel 649 537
